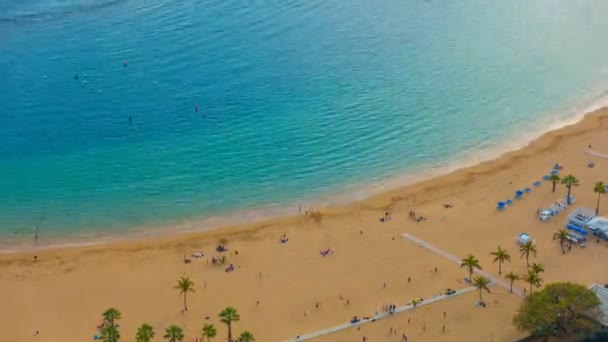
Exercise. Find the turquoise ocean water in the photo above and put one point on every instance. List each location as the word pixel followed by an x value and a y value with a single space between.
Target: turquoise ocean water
pixel 298 100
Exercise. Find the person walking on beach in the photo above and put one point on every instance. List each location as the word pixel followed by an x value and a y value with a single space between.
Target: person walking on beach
pixel 409 279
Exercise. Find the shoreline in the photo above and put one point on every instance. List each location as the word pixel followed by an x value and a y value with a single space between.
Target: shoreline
pixel 371 262
pixel 357 197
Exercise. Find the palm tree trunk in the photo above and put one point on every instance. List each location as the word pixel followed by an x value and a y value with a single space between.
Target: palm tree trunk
pixel 499 267
pixel 480 299
pixel 597 209
pixel 528 260
pixel 568 199
pixel 185 305
pixel 471 274
pixel 511 285
pixel 229 332
pixel 554 186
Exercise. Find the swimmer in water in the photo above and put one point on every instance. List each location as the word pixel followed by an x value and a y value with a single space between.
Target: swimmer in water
pixel 125 63
pixel 76 77
pixel 196 108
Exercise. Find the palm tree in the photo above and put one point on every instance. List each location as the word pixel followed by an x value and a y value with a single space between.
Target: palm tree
pixel 526 249
pixel 110 334
pixel 110 316
pixel 246 336
pixel 174 334
pixel 554 179
pixel 533 279
pixel 145 333
pixel 569 181
pixel 512 277
pixel 562 236
pixel 209 331
pixel 481 283
pixel 599 188
pixel 470 263
pixel 184 285
pixel 500 256
pixel 227 316
pixel 537 268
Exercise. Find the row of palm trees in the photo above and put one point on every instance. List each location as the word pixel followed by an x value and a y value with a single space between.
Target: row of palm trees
pixel 145 333
pixel 470 263
pixel 571 181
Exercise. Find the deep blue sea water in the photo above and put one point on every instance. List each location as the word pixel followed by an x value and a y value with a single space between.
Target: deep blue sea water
pixel 298 100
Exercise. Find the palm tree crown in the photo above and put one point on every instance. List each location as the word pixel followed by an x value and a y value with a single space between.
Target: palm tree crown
pixel 111 315
pixel 537 268
pixel 554 179
pixel 227 316
pixel 470 263
pixel 184 285
pixel 246 336
pixel 174 334
pixel 500 256
pixel 110 334
pixel 569 181
pixel 533 279
pixel 512 277
pixel 526 250
pixel 145 333
pixel 209 331
pixel 562 236
pixel 599 188
pixel 481 283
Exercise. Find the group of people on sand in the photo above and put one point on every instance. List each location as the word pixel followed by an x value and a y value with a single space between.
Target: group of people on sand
pixel 416 218
pixel 390 308
pixel 387 217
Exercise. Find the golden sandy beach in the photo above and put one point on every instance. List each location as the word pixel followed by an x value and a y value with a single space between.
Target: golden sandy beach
pixel 65 291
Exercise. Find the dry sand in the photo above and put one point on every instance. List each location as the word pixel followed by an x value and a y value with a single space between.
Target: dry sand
pixel 63 294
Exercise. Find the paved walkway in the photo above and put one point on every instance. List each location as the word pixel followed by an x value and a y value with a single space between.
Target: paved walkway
pixel 379 316
pixel 594 153
pixel 457 260
pixel 382 315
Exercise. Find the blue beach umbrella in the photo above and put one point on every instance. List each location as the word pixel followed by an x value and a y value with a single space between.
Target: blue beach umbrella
pixel 500 205
pixel 554 172
pixel 537 183
pixel 509 202
pixel 546 177
pixel 527 190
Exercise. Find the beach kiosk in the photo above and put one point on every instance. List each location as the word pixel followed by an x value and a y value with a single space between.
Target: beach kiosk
pixel 599 226
pixel 580 217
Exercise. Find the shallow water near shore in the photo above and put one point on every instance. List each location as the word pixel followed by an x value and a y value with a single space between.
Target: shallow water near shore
pixel 297 101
